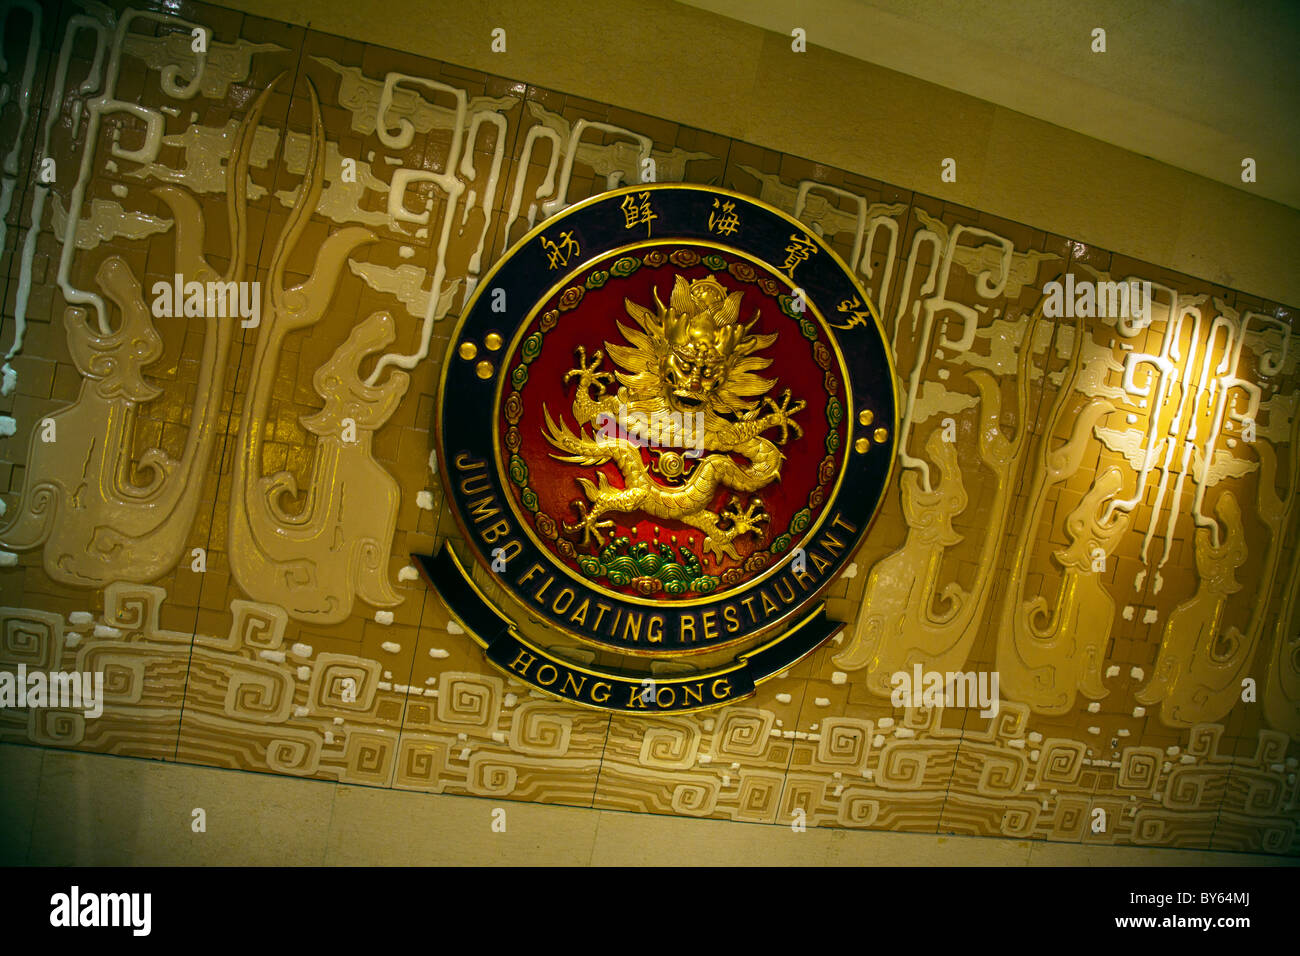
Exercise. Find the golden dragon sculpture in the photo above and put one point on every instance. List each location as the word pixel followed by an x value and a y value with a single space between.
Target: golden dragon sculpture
pixel 693 357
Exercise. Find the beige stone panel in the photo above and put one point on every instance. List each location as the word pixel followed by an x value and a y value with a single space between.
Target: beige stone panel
pixel 20 768
pixel 1081 187
pixel 256 819
pixel 648 56
pixel 1039 59
pixel 860 848
pixel 1042 853
pixel 633 839
pixel 408 829
pixel 629 839
pixel 846 113
pixel 1236 240
pixel 94 811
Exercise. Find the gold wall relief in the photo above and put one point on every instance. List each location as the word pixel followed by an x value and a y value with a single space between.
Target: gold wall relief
pixel 900 624
pixel 1203 660
pixel 1194 674
pixel 1202 664
pixel 98 514
pixel 620 163
pixel 901 588
pixel 1282 683
pixel 1047 653
pixel 815 203
pixel 1141 460
pixel 315 560
pixel 347 482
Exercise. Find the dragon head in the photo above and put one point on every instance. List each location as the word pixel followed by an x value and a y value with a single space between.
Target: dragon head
pixel 694 352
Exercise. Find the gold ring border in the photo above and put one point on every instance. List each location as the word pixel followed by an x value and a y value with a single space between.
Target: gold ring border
pixel 485 283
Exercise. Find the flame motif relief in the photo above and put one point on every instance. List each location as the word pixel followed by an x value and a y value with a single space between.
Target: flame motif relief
pixel 86 506
pixel 314 561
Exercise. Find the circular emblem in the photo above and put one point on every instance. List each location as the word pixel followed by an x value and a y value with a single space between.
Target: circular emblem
pixel 665 422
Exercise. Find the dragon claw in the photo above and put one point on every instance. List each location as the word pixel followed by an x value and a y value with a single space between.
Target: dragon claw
pixel 782 415
pixel 588 373
pixel 744 520
pixel 588 525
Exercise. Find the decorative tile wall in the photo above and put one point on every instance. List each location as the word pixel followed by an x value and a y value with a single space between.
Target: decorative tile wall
pixel 1102 511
